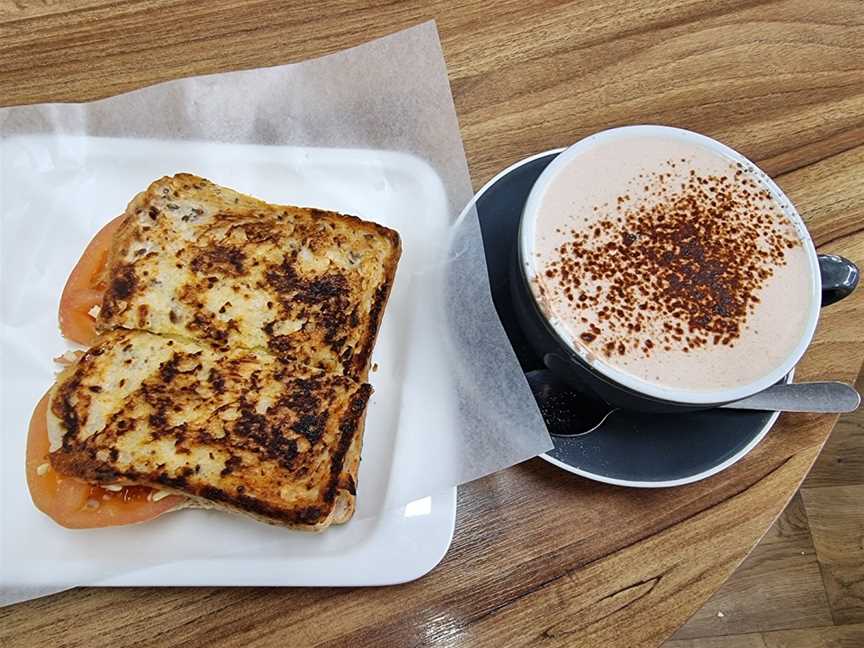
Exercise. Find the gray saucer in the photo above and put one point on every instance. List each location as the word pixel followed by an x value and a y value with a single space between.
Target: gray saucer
pixel 629 448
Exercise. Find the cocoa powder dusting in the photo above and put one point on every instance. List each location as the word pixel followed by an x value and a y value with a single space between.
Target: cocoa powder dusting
pixel 690 256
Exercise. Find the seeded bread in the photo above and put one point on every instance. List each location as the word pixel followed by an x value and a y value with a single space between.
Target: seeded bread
pixel 200 261
pixel 240 429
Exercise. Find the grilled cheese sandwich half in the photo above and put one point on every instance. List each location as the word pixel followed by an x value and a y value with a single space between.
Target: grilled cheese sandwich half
pixel 196 260
pixel 239 429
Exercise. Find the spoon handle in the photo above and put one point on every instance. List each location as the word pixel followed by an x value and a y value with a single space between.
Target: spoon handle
pixel 819 397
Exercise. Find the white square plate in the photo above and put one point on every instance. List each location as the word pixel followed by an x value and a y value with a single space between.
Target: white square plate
pixel 56 192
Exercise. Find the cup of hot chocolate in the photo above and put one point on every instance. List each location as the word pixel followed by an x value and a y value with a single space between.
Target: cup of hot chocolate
pixel 660 270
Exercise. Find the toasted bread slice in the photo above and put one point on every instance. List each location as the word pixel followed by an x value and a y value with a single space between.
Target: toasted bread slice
pixel 240 429
pixel 197 260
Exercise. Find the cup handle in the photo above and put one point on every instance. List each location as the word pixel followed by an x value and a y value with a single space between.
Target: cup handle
pixel 839 277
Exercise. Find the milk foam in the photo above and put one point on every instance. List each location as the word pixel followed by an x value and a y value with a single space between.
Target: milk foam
pixel 589 190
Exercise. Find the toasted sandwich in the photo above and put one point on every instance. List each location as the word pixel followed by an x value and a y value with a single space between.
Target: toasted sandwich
pixel 230 366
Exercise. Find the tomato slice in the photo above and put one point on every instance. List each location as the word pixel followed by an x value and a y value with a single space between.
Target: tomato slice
pixel 75 504
pixel 85 287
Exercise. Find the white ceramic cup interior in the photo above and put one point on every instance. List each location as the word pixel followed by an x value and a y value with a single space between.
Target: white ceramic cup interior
pixel 527 236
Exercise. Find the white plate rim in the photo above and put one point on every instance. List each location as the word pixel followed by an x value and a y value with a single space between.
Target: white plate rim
pixel 210 572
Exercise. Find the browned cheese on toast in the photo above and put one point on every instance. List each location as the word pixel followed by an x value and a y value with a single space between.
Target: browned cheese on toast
pixel 238 428
pixel 200 261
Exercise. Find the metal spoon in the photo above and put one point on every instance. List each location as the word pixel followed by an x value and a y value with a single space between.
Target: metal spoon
pixel 818 397
pixel 566 410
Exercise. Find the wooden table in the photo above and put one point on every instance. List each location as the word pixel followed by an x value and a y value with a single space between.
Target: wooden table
pixel 539 557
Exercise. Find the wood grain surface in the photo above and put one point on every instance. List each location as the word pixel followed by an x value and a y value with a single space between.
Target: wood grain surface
pixel 850 636
pixel 778 587
pixel 805 573
pixel 539 557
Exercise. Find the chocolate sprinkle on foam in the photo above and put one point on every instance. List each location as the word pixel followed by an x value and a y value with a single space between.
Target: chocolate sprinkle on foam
pixel 678 267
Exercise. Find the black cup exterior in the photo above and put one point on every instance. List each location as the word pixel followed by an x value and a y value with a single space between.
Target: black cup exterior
pixel 559 358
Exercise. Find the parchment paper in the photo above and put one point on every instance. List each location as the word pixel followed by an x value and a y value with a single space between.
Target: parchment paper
pixel 465 410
